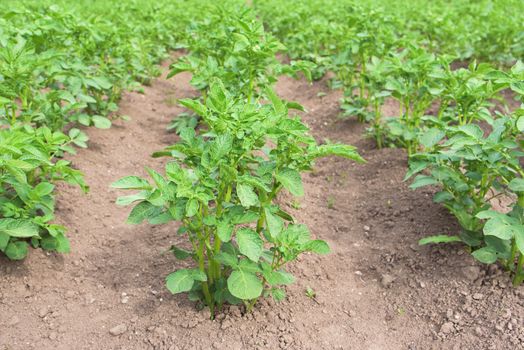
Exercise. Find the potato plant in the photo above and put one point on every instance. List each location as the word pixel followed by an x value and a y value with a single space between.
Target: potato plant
pixel 62 65
pixel 222 186
pixel 472 169
pixel 27 177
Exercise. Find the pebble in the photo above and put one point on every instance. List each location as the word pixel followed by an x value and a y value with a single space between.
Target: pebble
pixel 367 228
pixel 447 328
pixel 124 298
pixel 471 273
pixel 478 296
pixel 118 330
pixel 43 312
pixel 226 324
pixel 478 331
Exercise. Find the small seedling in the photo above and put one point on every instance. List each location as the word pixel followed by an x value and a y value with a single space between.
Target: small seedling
pixel 310 293
pixel 331 202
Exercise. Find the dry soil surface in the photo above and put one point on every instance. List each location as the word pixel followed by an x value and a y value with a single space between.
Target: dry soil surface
pixel 377 290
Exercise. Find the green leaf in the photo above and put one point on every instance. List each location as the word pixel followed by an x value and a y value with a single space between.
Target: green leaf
pixel 519 238
pixel 249 243
pixel 520 124
pixel 126 200
pixel 217 96
pixel 247 195
pixel 278 294
pixel 499 228
pixel 44 189
pixel 415 167
pixel 423 180
pixel 20 228
pixel 180 253
pixel 159 180
pixel 517 185
pixel 101 122
pixel 274 223
pixel 281 277
pixel 191 207
pixel 317 246
pixel 244 285
pixel 131 183
pixel 339 150
pixel 194 105
pixel 224 231
pixel 486 255
pixel 63 245
pixel 221 146
pixel 182 280
pixel 143 210
pixel 291 181
pixel 439 239
pixel 227 259
pixel 4 240
pixel 472 130
pixel 279 107
pixel 16 250
pixel 431 137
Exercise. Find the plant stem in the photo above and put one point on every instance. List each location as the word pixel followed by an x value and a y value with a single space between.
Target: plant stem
pixel 511 261
pixel 519 272
pixel 205 286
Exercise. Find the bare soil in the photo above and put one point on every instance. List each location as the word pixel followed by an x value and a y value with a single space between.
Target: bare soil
pixel 377 290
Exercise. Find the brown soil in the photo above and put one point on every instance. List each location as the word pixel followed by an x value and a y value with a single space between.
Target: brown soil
pixel 377 290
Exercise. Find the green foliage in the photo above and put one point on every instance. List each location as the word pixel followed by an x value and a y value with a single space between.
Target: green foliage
pixel 27 177
pixel 223 180
pixel 229 177
pixel 62 65
pixel 472 168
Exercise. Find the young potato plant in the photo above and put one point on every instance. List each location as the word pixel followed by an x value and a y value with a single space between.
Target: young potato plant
pixel 231 45
pixel 415 82
pixel 472 170
pixel 222 187
pixel 27 177
pixel 467 93
pixel 234 48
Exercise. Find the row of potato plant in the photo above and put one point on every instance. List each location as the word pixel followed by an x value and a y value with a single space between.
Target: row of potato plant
pixel 64 65
pixel 467 146
pixel 222 180
pixel 455 135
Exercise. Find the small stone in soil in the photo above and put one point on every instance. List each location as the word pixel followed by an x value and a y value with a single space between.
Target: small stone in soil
pixel 478 296
pixel 43 312
pixel 447 328
pixel 118 330
pixel 471 273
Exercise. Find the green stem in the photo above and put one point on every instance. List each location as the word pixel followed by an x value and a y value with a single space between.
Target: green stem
pixel 205 286
pixel 378 136
pixel 511 260
pixel 519 272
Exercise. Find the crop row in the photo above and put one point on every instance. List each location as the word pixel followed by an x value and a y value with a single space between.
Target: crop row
pixel 456 136
pixel 222 180
pixel 63 67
